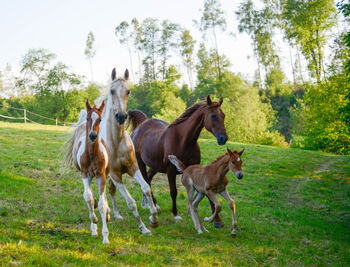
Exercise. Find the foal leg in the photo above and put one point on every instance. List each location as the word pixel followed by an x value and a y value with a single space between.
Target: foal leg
pixel 217 220
pixel 212 196
pixel 171 172
pixel 231 203
pixel 103 206
pixel 146 189
pixel 112 190
pixel 195 203
pixel 130 202
pixel 89 199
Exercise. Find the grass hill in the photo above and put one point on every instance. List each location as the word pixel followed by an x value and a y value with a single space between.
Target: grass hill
pixel 293 208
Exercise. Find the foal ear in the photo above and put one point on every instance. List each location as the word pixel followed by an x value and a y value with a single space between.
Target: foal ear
pixel 240 153
pixel 126 74
pixel 100 109
pixel 230 153
pixel 220 101
pixel 88 107
pixel 209 100
pixel 114 73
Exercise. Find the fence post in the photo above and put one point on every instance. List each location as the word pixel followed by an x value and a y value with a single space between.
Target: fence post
pixel 25 116
pixel 56 121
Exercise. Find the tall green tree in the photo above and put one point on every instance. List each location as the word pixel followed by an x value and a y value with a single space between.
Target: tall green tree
pixel 212 20
pixel 90 51
pixel 186 50
pixel 308 22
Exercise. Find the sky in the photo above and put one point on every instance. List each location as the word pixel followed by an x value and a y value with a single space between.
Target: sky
pixel 61 26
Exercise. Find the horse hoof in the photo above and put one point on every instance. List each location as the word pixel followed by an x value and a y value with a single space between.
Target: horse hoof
pixel 146 232
pixel 105 241
pixel 218 224
pixel 178 218
pixel 153 224
pixel 108 217
pixel 234 235
pixel 206 219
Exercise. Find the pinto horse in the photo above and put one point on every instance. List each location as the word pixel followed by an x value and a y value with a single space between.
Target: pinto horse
pixel 154 140
pixel 88 153
pixel 121 151
pixel 209 181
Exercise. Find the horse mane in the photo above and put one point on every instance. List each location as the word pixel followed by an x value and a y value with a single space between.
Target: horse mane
pixel 189 111
pixel 219 158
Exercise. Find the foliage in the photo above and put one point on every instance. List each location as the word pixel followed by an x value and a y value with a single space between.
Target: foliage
pixel 325 127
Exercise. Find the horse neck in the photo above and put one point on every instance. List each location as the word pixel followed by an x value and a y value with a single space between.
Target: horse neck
pixel 222 165
pixel 191 128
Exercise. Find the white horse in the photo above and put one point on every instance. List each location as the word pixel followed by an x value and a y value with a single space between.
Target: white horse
pixel 121 150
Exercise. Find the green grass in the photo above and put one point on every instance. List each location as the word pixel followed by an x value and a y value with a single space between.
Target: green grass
pixel 293 208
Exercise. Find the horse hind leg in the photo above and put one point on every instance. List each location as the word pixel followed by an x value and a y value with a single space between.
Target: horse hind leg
pixel 146 189
pixel 112 190
pixel 89 199
pixel 173 191
pixel 132 205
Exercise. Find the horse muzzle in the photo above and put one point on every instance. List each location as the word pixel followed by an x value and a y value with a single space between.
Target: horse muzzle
pixel 121 117
pixel 221 139
pixel 239 175
pixel 92 136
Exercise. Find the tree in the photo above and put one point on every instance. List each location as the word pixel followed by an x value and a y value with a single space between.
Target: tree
pixel 167 42
pixel 124 36
pixel 90 51
pixel 307 22
pixel 186 51
pixel 212 19
pixel 137 42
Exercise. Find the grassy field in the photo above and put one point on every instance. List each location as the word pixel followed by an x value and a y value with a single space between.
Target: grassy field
pixel 293 208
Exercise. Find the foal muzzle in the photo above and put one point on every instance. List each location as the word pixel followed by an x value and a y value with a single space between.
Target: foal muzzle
pixel 239 175
pixel 121 117
pixel 92 136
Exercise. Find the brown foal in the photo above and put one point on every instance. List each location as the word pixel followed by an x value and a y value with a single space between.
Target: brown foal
pixel 208 181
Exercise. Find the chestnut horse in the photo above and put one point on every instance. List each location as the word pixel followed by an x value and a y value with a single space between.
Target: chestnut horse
pixel 154 140
pixel 88 153
pixel 121 151
pixel 209 181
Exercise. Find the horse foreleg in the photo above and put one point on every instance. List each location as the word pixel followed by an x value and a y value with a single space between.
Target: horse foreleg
pixel 112 190
pixel 131 204
pixel 103 206
pixel 217 220
pixel 146 189
pixel 231 203
pixel 89 199
pixel 171 172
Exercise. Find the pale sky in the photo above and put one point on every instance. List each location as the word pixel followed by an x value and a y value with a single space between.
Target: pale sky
pixel 61 26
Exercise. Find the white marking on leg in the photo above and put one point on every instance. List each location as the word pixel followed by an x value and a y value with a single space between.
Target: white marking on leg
pixel 103 208
pixel 132 206
pixel 89 199
pixel 146 189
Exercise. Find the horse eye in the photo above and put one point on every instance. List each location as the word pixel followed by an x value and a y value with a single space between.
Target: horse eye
pixel 233 162
pixel 100 120
pixel 212 116
pixel 87 119
pixel 112 92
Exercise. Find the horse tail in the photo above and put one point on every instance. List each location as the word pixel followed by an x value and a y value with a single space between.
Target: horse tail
pixel 135 118
pixel 68 160
pixel 180 166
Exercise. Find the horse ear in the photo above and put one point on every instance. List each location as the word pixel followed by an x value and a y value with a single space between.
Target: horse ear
pixel 229 151
pixel 220 101
pixel 209 100
pixel 114 74
pixel 126 74
pixel 240 153
pixel 100 109
pixel 88 107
